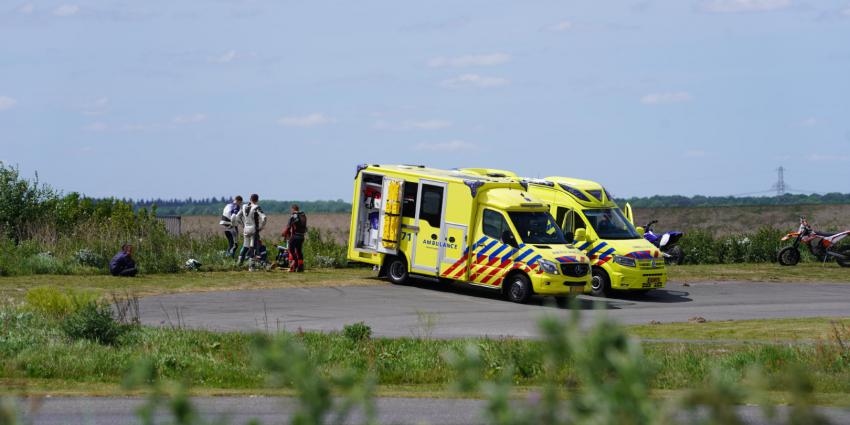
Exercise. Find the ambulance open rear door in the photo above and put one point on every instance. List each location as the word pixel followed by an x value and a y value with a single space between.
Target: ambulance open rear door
pixel 389 219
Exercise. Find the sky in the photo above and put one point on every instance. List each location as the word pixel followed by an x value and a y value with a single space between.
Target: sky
pixel 155 98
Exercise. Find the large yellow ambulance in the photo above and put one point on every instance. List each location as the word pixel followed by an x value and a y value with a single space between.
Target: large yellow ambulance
pixel 587 214
pixel 449 225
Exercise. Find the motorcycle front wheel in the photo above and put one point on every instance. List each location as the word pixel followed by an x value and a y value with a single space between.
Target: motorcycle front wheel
pixel 675 256
pixel 788 256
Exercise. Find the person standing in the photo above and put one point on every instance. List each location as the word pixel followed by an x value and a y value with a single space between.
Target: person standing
pixel 122 264
pixel 230 229
pixel 296 232
pixel 252 219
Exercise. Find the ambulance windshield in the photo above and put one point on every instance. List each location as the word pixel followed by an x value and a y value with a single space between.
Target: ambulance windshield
pixel 610 223
pixel 537 228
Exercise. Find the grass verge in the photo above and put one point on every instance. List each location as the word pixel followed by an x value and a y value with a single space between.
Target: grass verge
pixel 35 355
pixel 15 287
pixel 762 272
pixel 808 329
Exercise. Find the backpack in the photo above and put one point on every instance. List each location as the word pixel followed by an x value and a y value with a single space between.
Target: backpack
pixel 299 223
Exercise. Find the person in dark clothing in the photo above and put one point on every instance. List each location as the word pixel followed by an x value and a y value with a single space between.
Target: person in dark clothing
pixel 122 263
pixel 296 232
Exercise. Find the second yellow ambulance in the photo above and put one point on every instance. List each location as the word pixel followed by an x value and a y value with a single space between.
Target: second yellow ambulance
pixel 587 214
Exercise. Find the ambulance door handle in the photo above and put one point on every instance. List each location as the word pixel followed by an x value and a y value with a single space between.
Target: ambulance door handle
pixel 411 228
pixel 451 239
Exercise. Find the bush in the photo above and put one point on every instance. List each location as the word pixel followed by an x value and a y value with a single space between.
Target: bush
pixel 357 332
pixel 56 304
pixel 322 250
pixel 93 322
pixel 89 258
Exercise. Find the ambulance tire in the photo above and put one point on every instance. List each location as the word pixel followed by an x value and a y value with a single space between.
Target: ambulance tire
pixel 518 288
pixel 600 285
pixel 397 270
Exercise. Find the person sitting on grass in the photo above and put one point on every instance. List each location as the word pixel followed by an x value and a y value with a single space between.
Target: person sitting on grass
pixel 122 263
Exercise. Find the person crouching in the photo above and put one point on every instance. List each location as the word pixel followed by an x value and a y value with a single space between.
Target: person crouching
pixel 122 263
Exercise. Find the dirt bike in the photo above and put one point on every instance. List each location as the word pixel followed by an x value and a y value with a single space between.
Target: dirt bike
pixel 667 243
pixel 821 244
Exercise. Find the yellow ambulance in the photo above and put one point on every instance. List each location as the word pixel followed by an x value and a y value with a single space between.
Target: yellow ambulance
pixel 452 226
pixel 587 214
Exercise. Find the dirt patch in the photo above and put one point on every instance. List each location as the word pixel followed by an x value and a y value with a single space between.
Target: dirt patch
pixel 735 220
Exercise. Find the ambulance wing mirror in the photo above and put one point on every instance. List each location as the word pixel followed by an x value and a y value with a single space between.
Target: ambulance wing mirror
pixel 640 230
pixel 580 235
pixel 509 239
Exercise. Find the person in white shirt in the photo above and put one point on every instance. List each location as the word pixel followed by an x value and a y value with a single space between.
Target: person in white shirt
pixel 252 219
pixel 230 229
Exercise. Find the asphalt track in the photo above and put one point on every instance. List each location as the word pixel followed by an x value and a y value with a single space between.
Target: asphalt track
pixel 451 311
pixel 269 410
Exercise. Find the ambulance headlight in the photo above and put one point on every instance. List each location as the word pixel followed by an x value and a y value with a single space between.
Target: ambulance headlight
pixel 624 261
pixel 548 267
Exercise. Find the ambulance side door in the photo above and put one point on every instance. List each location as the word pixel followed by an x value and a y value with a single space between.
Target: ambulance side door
pixel 429 245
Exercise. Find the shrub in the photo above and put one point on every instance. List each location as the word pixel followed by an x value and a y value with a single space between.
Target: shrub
pixel 357 332
pixel 89 258
pixel 700 247
pixel 322 250
pixel 93 322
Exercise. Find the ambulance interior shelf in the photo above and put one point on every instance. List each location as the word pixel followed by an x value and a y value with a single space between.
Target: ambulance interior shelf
pixel 369 211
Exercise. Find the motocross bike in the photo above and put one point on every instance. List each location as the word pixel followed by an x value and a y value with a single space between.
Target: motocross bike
pixel 667 243
pixel 821 244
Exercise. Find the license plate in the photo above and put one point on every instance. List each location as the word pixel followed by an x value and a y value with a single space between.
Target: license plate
pixel 575 290
pixel 653 280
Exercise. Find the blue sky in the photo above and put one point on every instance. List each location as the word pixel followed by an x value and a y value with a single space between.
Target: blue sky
pixel 284 98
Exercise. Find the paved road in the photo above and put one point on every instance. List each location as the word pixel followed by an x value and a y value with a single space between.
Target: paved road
pixel 458 311
pixel 239 410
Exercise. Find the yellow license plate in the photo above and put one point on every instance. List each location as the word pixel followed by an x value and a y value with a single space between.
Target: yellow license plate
pixel 653 280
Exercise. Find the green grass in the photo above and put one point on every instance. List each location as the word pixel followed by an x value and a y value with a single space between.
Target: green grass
pixel 796 329
pixel 763 272
pixel 15 287
pixel 34 352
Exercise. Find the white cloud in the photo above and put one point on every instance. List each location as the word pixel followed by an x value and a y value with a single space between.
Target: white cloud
pixel 310 120
pixel 488 59
pixel 227 57
pixel 66 10
pixel 474 80
pixel 97 127
pixel 560 26
pixel 26 8
pixel 735 6
pixel 695 153
pixel 815 157
pixel 450 146
pixel 98 106
pixel 412 125
pixel 190 119
pixel 7 102
pixel 810 122
pixel 662 98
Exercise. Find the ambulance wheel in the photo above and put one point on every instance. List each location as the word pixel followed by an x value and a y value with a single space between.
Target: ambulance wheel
pixel 518 288
pixel 397 270
pixel 600 284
